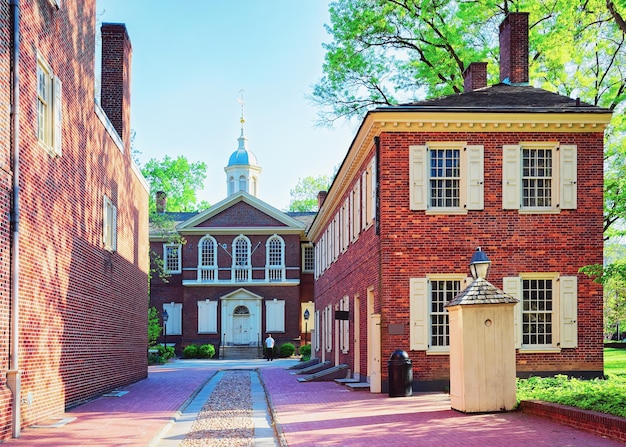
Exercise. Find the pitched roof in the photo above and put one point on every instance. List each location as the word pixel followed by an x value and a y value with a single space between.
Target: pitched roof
pixel 502 98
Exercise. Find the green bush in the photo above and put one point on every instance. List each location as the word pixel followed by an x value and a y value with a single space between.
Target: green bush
pixel 161 356
pixel 287 350
pixel 190 352
pixel 206 351
pixel 305 352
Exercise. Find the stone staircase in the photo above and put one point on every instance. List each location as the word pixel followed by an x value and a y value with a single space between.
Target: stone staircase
pixel 241 352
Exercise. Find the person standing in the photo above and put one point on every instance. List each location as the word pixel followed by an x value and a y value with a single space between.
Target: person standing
pixel 269 347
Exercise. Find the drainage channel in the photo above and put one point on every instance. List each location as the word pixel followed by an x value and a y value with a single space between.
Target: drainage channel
pixel 230 410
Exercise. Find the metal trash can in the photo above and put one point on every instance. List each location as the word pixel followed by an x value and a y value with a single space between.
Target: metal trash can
pixel 400 375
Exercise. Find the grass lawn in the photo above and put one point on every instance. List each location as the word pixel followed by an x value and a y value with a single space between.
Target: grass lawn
pixel 603 395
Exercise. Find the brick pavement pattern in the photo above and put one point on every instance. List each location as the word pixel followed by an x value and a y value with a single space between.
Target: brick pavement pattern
pixel 328 414
pixel 306 415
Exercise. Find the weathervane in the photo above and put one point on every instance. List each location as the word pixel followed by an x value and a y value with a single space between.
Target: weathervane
pixel 240 101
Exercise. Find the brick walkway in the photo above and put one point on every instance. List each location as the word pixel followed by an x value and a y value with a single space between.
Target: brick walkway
pixel 307 415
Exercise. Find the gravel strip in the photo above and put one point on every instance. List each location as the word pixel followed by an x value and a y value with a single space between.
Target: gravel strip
pixel 226 418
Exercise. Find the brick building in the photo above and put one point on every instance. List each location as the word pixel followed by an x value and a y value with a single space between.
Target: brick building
pixel 235 272
pixel 513 169
pixel 74 232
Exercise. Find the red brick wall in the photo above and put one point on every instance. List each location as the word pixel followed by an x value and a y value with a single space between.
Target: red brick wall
pixel 414 244
pixel 83 325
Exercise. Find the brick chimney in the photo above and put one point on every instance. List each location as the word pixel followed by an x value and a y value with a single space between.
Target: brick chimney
pixel 475 76
pixel 161 202
pixel 115 79
pixel 321 196
pixel 514 48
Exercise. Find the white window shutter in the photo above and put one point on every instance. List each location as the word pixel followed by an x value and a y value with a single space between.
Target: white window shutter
pixel 105 220
pixel 568 176
pixel 57 111
pixel 207 317
pixel 418 297
pixel 114 228
pixel 418 177
pixel 275 316
pixel 475 197
pixel 568 303
pixel 174 321
pixel 373 179
pixel 512 285
pixel 511 173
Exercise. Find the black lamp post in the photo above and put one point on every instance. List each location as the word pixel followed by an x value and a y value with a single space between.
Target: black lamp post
pixel 479 265
pixel 165 317
pixel 307 314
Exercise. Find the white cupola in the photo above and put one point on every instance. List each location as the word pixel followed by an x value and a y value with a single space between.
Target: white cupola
pixel 242 171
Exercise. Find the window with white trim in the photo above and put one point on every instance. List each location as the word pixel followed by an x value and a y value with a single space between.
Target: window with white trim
pixel 275 261
pixel 275 315
pixel 174 325
pixel 172 258
pixel 207 259
pixel 539 176
pixel 207 317
pixel 446 177
pixel 49 108
pixel 430 329
pixel 545 317
pixel 317 332
pixel 109 224
pixel 344 326
pixel 308 258
pixel 242 268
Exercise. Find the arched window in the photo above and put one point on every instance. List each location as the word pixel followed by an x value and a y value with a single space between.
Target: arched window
pixel 275 259
pixel 243 186
pixel 207 259
pixel 254 189
pixel 231 185
pixel 242 269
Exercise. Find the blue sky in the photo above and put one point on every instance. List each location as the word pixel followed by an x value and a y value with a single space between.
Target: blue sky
pixel 190 61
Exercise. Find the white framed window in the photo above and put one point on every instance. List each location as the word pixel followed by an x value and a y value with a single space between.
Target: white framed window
pixel 328 328
pixel 207 317
pixel 344 326
pixel 430 329
pixel 207 259
pixel 275 315
pixel 243 184
pixel 539 176
pixel 49 108
pixel 275 259
pixel 109 224
pixel 316 333
pixel 174 325
pixel 446 177
pixel 546 316
pixel 356 211
pixel 231 185
pixel 308 258
pixel 241 269
pixel 172 262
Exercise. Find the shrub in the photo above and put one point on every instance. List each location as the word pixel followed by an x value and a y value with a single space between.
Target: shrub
pixel 190 352
pixel 206 351
pixel 287 350
pixel 305 352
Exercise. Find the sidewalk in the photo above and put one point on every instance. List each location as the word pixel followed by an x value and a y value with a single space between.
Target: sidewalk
pixel 306 415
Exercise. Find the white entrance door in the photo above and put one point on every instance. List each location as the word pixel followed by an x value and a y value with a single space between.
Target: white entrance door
pixel 241 326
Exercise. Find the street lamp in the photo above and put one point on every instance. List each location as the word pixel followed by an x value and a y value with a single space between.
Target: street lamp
pixel 479 265
pixel 165 317
pixel 307 314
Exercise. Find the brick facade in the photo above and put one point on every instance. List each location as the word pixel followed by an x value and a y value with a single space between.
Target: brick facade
pixel 237 215
pixel 82 307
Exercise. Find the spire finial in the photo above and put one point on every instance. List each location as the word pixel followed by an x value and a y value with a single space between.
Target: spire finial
pixel 240 101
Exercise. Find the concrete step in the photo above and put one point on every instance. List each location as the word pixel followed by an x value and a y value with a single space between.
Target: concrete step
pixel 314 368
pixel 302 365
pixel 326 375
pixel 241 352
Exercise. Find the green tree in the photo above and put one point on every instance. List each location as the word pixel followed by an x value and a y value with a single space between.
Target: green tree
pixel 179 179
pixel 154 328
pixel 304 194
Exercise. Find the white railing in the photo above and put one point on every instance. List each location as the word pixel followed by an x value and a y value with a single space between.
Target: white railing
pixel 275 273
pixel 207 274
pixel 241 274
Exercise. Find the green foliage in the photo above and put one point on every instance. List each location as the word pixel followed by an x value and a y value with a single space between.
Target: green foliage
pixel 304 194
pixel 206 351
pixel 190 352
pixel 305 352
pixel 162 355
pixel 179 179
pixel 287 350
pixel 154 328
pixel 603 395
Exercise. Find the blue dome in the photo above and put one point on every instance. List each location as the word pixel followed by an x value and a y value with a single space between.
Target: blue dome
pixel 242 157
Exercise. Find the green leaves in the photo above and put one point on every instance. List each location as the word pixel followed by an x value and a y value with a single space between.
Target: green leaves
pixel 178 178
pixel 304 194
